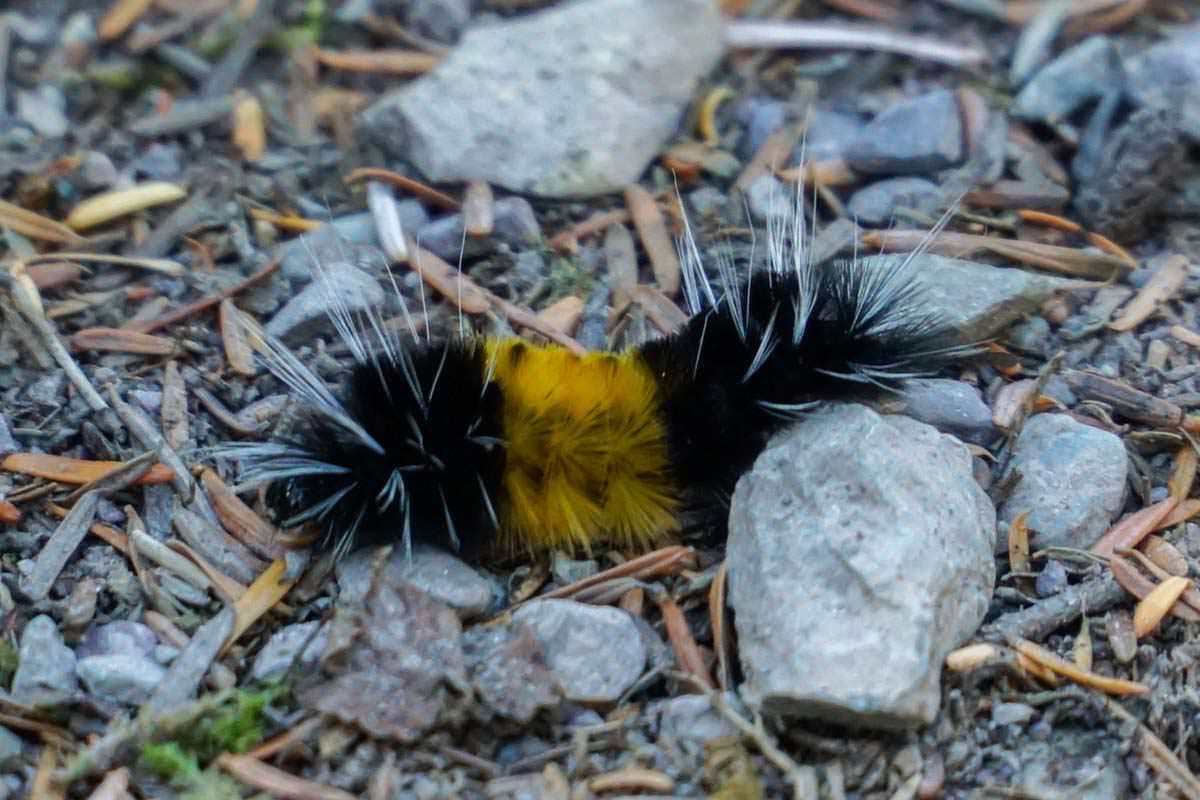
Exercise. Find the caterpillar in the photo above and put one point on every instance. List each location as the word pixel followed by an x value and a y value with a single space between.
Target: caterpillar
pixel 490 445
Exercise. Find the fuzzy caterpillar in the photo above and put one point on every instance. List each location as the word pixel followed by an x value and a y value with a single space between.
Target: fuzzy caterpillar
pixel 487 445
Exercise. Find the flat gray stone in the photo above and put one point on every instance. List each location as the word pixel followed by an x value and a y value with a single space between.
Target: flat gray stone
pixel 691 717
pixel 45 673
pixel 860 554
pixel 572 101
pixel 977 300
pixel 516 228
pixel 952 407
pixel 919 135
pixel 1072 481
pixel 119 636
pixel 128 678
pixel 1061 87
pixel 439 574
pixel 308 311
pixel 284 648
pixel 596 651
pixel 875 203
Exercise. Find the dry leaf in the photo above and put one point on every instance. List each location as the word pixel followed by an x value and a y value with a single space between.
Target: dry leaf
pixel 249 128
pixel 1154 606
pixel 76 471
pixel 1132 529
pixel 1166 281
pixel 652 230
pixel 1044 657
pixel 1165 555
pixel 1081 651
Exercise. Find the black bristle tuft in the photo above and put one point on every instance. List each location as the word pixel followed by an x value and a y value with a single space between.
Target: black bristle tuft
pixel 437 420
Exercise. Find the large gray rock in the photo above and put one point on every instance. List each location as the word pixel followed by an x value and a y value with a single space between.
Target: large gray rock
pixel 1072 481
pixel 860 553
pixel 45 665
pixel 569 102
pixel 977 300
pixel 596 652
pixel 1168 75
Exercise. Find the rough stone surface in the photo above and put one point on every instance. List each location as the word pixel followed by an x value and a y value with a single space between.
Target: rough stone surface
pixel 121 677
pixel 596 651
pixel 860 553
pixel 1076 764
pixel 309 310
pixel 1168 75
pixel 1066 83
pixel 769 201
pixel 11 747
pixel 568 102
pixel 120 636
pixel 281 651
pixel 444 577
pixel 950 406
pixel 1072 481
pixel 977 300
pixel 508 670
pixel 46 666
pixel 875 203
pixel 693 718
pixel 915 136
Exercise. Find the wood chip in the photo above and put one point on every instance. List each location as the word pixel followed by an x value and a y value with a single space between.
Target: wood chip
pixel 687 653
pixel 240 520
pixel 718 620
pixel 1153 607
pixel 113 205
pixel 1165 555
pixel 174 410
pixel 446 280
pixel 1114 686
pixel 652 230
pixel 973 656
pixel 260 597
pixel 1081 650
pixel 238 354
pixel 121 14
pixel 478 209
pixel 276 782
pixel 1183 512
pixel 633 779
pixel 563 314
pixel 1132 529
pixel 567 241
pixel 146 433
pixel 1124 399
pixel 205 303
pixel 390 62
pixel 1183 475
pixel 119 340
pixel 411 185
pixel 664 561
pixel 1170 272
pixel 226 554
pixel 35 226
pixel 76 471
pixel 189 667
pixel 1121 638
pixel 249 127
pixel 60 546
pixel 1138 585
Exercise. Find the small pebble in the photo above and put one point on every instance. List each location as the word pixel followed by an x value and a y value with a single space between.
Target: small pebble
pixel 1052 579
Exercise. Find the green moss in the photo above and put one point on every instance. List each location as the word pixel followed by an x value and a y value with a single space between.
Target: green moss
pixel 307 32
pixel 235 726
pixel 567 276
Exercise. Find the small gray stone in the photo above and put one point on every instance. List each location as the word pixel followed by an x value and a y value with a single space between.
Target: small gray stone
pixel 1012 713
pixel 1030 335
pixel 97 171
pixel 572 101
pixel 1061 87
pixel 860 553
pixel 11 747
pixel 121 636
pixel 760 117
pixel 353 238
pixel 916 136
pixel 1168 75
pixel 443 577
pixel 1072 481
pixel 46 666
pixel 827 136
pixel 768 200
pixel 282 649
pixel 308 311
pixel 596 651
pixel 440 20
pixel 1052 579
pixel 1076 764
pixel 977 301
pixel 875 203
pixel 128 678
pixel 43 110
pixel 707 200
pixel 516 227
pixel 950 406
pixel 691 717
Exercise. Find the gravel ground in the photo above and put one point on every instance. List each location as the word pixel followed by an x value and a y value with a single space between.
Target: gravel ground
pixel 170 171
